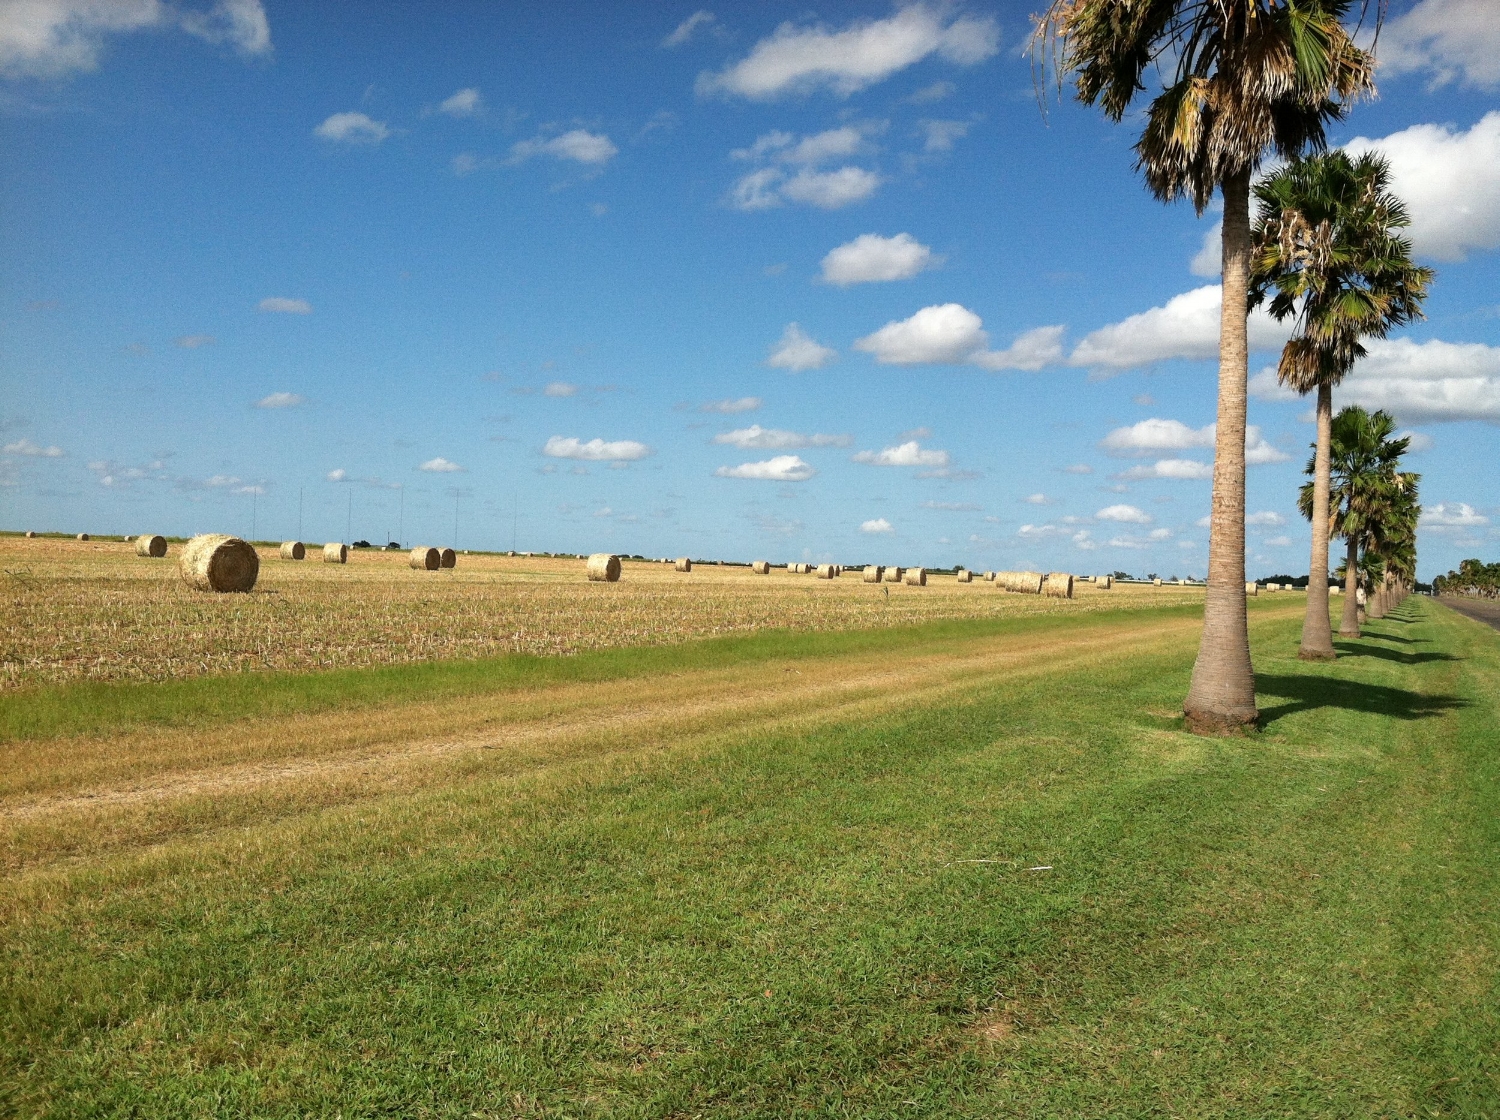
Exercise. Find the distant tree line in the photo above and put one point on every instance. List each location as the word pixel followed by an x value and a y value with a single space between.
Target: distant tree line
pixel 1474 578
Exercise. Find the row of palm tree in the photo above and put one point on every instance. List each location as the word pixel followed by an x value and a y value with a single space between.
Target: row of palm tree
pixel 1473 578
pixel 1237 81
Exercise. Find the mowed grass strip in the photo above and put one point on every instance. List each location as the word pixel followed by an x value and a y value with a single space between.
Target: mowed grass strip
pixel 841 920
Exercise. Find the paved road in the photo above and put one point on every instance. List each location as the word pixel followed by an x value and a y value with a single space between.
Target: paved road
pixel 1481 610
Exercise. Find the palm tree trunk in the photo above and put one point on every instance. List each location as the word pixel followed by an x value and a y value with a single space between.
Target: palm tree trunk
pixel 1317 631
pixel 1221 698
pixel 1349 624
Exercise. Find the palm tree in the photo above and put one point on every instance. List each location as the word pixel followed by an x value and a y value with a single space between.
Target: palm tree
pixel 1363 456
pixel 1240 78
pixel 1393 541
pixel 1326 245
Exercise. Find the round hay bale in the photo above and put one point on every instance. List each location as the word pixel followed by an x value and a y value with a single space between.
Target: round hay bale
pixel 761 567
pixel 916 577
pixel 1334 589
pixel 989 577
pixel 1106 582
pixel 82 537
pixel 683 564
pixel 1252 588
pixel 147 545
pixel 335 553
pixel 217 562
pixel 963 575
pixel 892 575
pixel 293 550
pixel 447 558
pixel 425 559
pixel 1156 582
pixel 30 533
pixel 873 572
pixel 1058 585
pixel 825 571
pixel 126 539
pixel 604 567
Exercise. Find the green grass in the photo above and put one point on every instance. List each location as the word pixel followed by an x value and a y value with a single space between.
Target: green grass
pixel 1298 923
pixel 91 708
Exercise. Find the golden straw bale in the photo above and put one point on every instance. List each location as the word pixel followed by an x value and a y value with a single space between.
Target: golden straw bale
pixel 873 573
pixel 153 546
pixel 293 550
pixel 1058 585
pixel 425 559
pixel 604 567
pixel 30 533
pixel 1105 582
pixel 894 575
pixel 989 577
pixel 684 564
pixel 963 575
pixel 1334 589
pixel 447 558
pixel 916 577
pixel 1251 588
pixel 335 553
pixel 761 567
pixel 1156 582
pixel 217 562
pixel 82 537
pixel 825 571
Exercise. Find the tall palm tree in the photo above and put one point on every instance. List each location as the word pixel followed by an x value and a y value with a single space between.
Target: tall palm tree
pixel 1363 459
pixel 1326 245
pixel 1393 540
pixel 1240 78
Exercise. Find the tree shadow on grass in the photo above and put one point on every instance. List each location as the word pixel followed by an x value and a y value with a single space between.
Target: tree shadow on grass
pixel 1401 657
pixel 1306 693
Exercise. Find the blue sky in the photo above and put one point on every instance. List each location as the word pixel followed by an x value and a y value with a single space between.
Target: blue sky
pixel 763 281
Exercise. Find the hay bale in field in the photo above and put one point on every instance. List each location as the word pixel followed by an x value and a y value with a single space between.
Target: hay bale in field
pixel 825 571
pixel 1156 582
pixel 989 577
pixel 873 573
pixel 604 567
pixel 30 533
pixel 963 575
pixel 425 559
pixel 82 537
pixel 761 567
pixel 335 553
pixel 1273 587
pixel 447 558
pixel 683 564
pixel 217 562
pixel 1105 582
pixel 893 575
pixel 1334 589
pixel 916 577
pixel 1022 583
pixel 1252 588
pixel 293 550
pixel 153 546
pixel 1058 585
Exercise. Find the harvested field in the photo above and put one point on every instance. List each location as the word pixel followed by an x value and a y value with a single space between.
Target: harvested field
pixel 95 611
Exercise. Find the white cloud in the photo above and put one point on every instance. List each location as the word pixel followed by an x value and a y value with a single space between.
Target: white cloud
pixel 221 481
pixel 439 466
pixel 1155 434
pixel 782 468
pixel 876 525
pixel 279 400
pixel 757 190
pixel 1078 468
pixel 1169 468
pixel 939 135
pixel 286 306
pixel 909 454
pixel 1209 260
pixel 1085 540
pixel 1203 522
pixel 464 103
pixel 52 38
pixel 1037 532
pixel 1416 441
pixel 195 341
pixel 687 27
pixel 798 351
pixel 1033 349
pixel 352 128
pixel 1277 542
pixel 820 147
pixel 464 164
pixel 1186 326
pixel 774 439
pixel 1265 517
pixel 1159 535
pixel 1035 499
pixel 870 258
pixel 1424 382
pixel 560 389
pixel 742 404
pixel 801 59
pixel 1451 515
pixel 32 450
pixel 578 145
pixel 1448 181
pixel 947 334
pixel 831 190
pixel 935 92
pixel 1128 514
pixel 338 474
pixel 1451 39
pixel 595 450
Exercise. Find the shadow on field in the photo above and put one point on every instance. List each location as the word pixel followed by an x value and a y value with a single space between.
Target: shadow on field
pixel 1401 657
pixel 1306 693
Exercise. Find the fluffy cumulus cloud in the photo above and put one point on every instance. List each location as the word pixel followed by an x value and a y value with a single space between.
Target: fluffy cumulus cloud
pixel 279 400
pixel 876 525
pixel 870 259
pixel 775 439
pixel 1156 435
pixel 285 306
pixel 951 334
pixel 579 145
pixel 54 38
pixel 1178 469
pixel 938 136
pixel 1129 515
pixel 1209 259
pixel 908 454
pixel 1186 326
pixel 800 59
pixel 439 466
pixel 831 190
pixel 1447 516
pixel 1448 180
pixel 798 351
pixel 1031 350
pixel 781 468
pixel 688 28
pixel 32 450
pixel 560 389
pixel 464 103
pixel 338 474
pixel 1419 382
pixel 731 406
pixel 1265 519
pixel 595 450
pixel 1450 40
pixel 352 128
